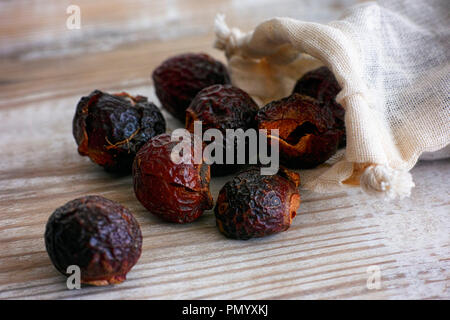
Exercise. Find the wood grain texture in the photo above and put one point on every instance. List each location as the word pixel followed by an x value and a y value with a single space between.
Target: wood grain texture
pixel 45 68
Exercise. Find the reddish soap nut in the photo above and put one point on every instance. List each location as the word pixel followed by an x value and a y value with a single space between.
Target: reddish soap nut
pixel 178 80
pixel 98 235
pixel 307 136
pixel 252 205
pixel 223 107
pixel 174 192
pixel 111 128
pixel 322 85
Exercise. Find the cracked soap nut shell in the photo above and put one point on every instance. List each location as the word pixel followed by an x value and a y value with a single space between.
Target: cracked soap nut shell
pixel 174 192
pixel 222 107
pixel 307 136
pixel 111 128
pixel 98 235
pixel 322 85
pixel 178 80
pixel 253 205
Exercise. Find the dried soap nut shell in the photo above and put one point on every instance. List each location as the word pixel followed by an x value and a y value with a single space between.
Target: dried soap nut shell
pixel 252 205
pixel 98 235
pixel 223 107
pixel 174 192
pixel 111 128
pixel 178 80
pixel 307 136
pixel 322 85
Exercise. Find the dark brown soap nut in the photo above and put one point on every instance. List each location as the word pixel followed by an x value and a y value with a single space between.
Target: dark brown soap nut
pixel 253 205
pixel 222 107
pixel 174 192
pixel 98 235
pixel 178 80
pixel 307 136
pixel 111 128
pixel 322 85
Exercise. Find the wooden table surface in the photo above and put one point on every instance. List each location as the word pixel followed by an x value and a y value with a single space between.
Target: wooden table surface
pixel 333 244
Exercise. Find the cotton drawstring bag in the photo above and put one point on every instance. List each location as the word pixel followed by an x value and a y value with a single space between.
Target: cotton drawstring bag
pixel 391 60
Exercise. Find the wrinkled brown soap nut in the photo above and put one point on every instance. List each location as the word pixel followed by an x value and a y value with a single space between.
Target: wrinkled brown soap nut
pixel 307 136
pixel 223 107
pixel 178 80
pixel 111 128
pixel 98 235
pixel 174 192
pixel 322 85
pixel 253 205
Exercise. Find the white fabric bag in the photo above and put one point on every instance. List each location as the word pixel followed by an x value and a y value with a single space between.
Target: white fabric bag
pixel 392 61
